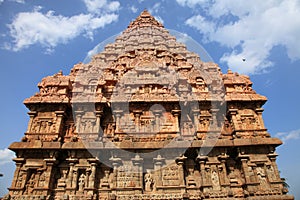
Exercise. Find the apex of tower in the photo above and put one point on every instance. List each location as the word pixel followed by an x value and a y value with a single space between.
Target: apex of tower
pixel 145 19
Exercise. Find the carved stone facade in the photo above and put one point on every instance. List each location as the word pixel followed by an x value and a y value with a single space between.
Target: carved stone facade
pixel 146 119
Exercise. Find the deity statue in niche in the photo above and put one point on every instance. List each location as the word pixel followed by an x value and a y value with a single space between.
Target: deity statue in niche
pixel 62 181
pixel 81 182
pixel 30 184
pixel 148 182
pixel 42 180
pixel 105 181
pixel 271 173
pixel 215 180
pixel 262 177
pixel 234 174
pixel 20 179
pixel 251 174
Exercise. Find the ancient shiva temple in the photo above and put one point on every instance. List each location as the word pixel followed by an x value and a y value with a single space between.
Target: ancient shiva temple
pixel 146 119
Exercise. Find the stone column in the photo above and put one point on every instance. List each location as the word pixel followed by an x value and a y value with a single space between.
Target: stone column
pixel 91 178
pixel 214 123
pixel 196 119
pixel 98 121
pixel 157 113
pixel 180 162
pixel 59 119
pixel 233 113
pixel 224 180
pixel 138 161
pixel 176 114
pixel 118 116
pixel 137 114
pixel 158 163
pixel 71 183
pixel 31 114
pixel 49 182
pixel 202 160
pixel 78 114
pixel 19 163
pixel 272 157
pixel 259 112
pixel 115 163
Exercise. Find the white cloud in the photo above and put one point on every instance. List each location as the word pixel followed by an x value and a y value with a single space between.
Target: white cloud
pixel 133 9
pixel 190 3
pixel 1 1
pixel 6 156
pixel 19 1
pixel 101 6
pixel 254 28
pixel 156 7
pixel 49 30
pixel 292 135
pixel 158 18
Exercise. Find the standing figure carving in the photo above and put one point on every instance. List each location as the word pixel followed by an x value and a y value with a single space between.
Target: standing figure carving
pixel 81 182
pixel 148 182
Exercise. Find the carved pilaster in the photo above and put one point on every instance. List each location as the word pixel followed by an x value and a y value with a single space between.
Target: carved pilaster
pixel 176 114
pixel 31 114
pixel 158 163
pixel 233 113
pixel 18 180
pixel 98 121
pixel 59 120
pixel 49 176
pixel 223 171
pixel 116 162
pixel 272 157
pixel 118 117
pixel 259 112
pixel 180 162
pixel 137 115
pixel 78 114
pixel 196 119
pixel 138 162
pixel 202 160
pixel 71 183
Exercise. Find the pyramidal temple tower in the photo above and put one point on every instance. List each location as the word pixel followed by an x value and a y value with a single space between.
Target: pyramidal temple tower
pixel 146 119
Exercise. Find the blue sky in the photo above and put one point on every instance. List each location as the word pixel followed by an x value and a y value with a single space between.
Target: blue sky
pixel 39 38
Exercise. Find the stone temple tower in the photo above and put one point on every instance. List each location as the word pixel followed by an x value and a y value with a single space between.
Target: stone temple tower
pixel 146 119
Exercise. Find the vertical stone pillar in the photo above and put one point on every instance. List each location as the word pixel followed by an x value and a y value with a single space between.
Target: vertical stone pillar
pixel 214 121
pixel 176 114
pixel 272 157
pixel 71 181
pixel 18 172
pixel 259 112
pixel 49 182
pixel 158 163
pixel 59 120
pixel 78 114
pixel 202 160
pixel 224 180
pixel 138 162
pixel 196 119
pixel 137 114
pixel 233 113
pixel 180 162
pixel 115 163
pixel 31 114
pixel 118 116
pixel 98 121
pixel 157 121
pixel 244 159
pixel 92 176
